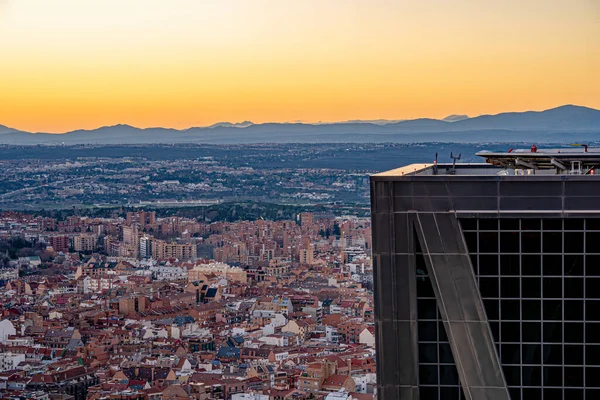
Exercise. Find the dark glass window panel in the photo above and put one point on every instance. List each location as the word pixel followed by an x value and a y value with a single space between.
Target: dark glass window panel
pixel 492 309
pixel 552 376
pixel 510 332
pixel 515 393
pixel 552 309
pixel 552 224
pixel 574 310
pixel 428 393
pixel 592 380
pixel 592 224
pixel 573 354
pixel 420 263
pixel 468 224
pixel 532 332
pixel 531 264
pixel 573 332
pixel 592 242
pixel 427 309
pixel 509 224
pixel 418 248
pixel 552 288
pixel 552 264
pixel 573 242
pixel 592 288
pixel 573 224
pixel 488 224
pixel 488 242
pixel 442 332
pixel 573 288
pixel 550 393
pixel 428 374
pixel 592 355
pixel 495 328
pixel 427 353
pixel 448 375
pixel 574 376
pixel 531 353
pixel 488 287
pixel 575 394
pixel 450 392
pixel 552 354
pixel 573 264
pixel 488 264
pixel 552 242
pixel 592 310
pixel 531 309
pixel 531 224
pixel 532 394
pixel 510 287
pixel 592 265
pixel 510 310
pixel 428 331
pixel 471 240
pixel 532 288
pixel 512 375
pixel 552 332
pixel 510 265
pixel 592 332
pixel 531 242
pixel 532 376
pixel 510 354
pixel 509 242
pixel 424 288
pixel 446 354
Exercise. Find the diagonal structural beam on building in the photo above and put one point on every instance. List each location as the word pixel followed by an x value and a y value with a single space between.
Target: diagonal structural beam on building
pixel 461 306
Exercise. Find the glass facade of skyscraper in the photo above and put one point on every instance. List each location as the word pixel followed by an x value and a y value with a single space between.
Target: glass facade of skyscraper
pixel 486 286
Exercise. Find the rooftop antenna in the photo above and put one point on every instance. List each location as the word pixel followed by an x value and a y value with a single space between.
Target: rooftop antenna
pixel 454 158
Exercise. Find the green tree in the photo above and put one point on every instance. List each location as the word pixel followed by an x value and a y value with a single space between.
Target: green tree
pixel 336 229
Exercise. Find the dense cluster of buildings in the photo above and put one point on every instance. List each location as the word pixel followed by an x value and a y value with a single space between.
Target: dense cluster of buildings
pixel 134 308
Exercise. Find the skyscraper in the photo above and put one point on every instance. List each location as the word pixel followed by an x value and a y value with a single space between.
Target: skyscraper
pixel 487 277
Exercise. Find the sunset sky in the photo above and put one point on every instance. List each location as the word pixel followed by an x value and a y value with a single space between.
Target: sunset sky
pixel 68 64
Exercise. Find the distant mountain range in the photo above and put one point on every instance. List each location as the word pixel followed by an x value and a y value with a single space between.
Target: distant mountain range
pixel 562 124
pixel 244 124
pixel 455 118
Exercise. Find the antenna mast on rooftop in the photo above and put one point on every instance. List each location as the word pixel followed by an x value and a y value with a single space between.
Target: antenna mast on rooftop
pixel 454 158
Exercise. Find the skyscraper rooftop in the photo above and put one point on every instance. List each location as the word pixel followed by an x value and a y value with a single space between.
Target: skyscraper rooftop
pixel 486 277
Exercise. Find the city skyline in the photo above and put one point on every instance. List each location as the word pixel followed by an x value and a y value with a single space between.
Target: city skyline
pixel 76 65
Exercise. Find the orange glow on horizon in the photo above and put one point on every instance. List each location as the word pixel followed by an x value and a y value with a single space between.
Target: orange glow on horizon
pixel 68 64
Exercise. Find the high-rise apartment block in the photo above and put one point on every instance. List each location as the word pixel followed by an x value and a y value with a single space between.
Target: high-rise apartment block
pixel 145 247
pixel 306 219
pixel 487 277
pixel 162 250
pixel 85 242
pixel 59 243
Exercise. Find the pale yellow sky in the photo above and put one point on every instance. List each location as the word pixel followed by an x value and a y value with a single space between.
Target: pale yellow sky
pixel 68 64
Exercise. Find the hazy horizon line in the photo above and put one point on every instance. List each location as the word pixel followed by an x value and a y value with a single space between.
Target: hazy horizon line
pixel 304 122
